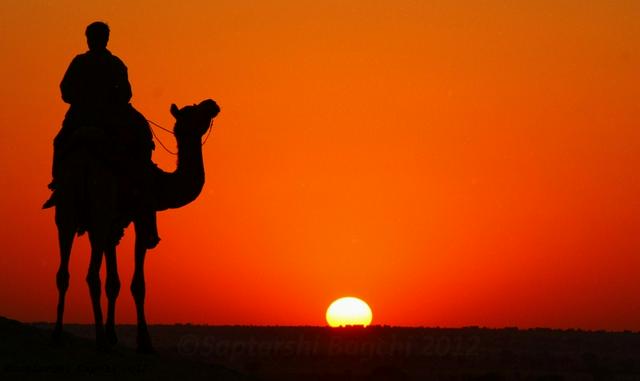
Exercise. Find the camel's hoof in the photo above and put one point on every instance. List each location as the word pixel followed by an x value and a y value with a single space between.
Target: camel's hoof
pixel 111 337
pixel 145 349
pixel 102 346
pixel 144 345
pixel 56 336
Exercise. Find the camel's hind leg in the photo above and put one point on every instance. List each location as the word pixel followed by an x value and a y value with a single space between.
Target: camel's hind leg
pixel 138 291
pixel 95 289
pixel 112 288
pixel 65 241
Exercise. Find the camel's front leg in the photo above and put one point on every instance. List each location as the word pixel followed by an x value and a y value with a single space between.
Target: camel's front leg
pixel 112 288
pixel 138 291
pixel 95 288
pixel 65 240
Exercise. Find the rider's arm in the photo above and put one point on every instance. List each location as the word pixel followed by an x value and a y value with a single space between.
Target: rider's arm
pixel 123 87
pixel 70 85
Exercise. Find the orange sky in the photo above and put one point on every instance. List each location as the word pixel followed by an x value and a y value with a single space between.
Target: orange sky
pixel 470 164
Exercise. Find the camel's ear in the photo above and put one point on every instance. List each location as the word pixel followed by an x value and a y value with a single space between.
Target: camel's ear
pixel 175 111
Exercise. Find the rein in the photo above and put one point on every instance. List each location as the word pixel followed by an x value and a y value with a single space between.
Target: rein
pixel 171 132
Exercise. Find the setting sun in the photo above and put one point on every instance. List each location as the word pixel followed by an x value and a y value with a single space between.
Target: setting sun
pixel 348 311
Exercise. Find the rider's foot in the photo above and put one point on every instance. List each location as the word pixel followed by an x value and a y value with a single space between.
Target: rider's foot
pixel 51 202
pixel 53 185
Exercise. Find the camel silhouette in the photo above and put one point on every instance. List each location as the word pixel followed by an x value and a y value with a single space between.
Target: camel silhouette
pixel 88 200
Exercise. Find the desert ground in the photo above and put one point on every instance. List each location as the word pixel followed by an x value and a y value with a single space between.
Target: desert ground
pixel 195 352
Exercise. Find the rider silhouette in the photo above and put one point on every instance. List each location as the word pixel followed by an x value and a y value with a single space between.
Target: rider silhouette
pixel 97 88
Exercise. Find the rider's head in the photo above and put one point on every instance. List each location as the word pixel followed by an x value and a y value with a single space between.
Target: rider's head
pixel 97 35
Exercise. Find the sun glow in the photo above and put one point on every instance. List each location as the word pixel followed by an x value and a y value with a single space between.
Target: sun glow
pixel 348 311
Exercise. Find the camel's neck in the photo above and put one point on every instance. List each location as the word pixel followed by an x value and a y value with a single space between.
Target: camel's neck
pixel 181 187
pixel 190 164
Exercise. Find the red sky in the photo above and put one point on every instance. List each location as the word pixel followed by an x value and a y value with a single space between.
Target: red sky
pixel 469 164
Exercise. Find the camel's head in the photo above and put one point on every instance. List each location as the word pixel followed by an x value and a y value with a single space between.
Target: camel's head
pixel 195 119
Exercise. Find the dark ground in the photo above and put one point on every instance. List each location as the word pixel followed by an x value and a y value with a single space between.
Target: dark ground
pixel 188 352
